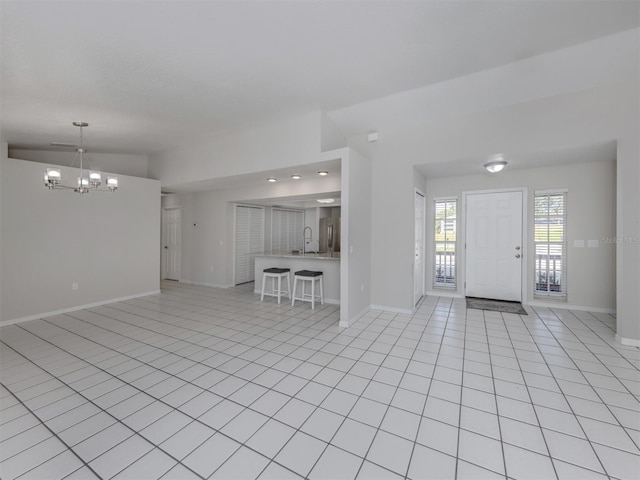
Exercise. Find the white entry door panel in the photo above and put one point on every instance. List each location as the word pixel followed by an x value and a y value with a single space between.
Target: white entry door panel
pixel 171 244
pixel 494 246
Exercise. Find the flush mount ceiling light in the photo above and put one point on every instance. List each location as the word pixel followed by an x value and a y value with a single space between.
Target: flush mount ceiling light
pixel 88 179
pixel 325 200
pixel 496 166
pixel 271 179
pixel 296 176
pixel 323 173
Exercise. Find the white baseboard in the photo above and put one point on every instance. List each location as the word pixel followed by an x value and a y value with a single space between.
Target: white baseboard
pixel 443 293
pixel 76 308
pixel 205 284
pixel 353 320
pixel 404 311
pixel 564 306
pixel 631 342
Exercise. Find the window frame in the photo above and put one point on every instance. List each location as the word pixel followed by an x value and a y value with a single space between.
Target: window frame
pixel 550 245
pixel 451 263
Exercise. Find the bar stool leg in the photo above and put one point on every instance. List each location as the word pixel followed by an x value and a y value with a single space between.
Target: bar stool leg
pixel 293 297
pixel 313 294
pixel 264 281
pixel 321 292
pixel 289 285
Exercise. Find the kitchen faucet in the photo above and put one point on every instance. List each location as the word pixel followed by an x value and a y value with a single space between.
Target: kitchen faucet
pixel 304 237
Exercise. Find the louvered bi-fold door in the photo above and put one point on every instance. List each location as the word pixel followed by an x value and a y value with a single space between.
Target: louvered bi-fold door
pixel 249 241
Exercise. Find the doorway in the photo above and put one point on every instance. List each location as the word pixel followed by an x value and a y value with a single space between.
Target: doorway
pixel 494 250
pixel 171 220
pixel 418 265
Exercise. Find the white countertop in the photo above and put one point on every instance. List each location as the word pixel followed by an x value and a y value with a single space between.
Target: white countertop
pixel 306 256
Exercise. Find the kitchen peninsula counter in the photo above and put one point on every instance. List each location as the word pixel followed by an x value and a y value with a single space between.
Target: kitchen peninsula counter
pixel 326 263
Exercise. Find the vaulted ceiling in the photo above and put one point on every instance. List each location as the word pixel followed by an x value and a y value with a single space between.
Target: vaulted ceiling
pixel 149 75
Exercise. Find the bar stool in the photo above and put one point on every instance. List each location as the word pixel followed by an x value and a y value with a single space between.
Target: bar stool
pixel 307 276
pixel 274 273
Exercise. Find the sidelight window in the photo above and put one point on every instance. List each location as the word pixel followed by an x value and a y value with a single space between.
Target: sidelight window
pixel 550 240
pixel 444 252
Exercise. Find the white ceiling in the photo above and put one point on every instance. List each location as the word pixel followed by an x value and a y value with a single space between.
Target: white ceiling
pixel 149 75
pixel 308 172
pixel 601 151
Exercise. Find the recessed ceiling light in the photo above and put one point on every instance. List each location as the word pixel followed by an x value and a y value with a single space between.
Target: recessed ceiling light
pixel 271 179
pixel 325 200
pixel 323 173
pixel 296 176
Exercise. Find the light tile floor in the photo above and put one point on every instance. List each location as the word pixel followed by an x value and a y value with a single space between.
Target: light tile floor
pixel 199 382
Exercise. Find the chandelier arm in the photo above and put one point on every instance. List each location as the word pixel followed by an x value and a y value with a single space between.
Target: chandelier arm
pixel 53 175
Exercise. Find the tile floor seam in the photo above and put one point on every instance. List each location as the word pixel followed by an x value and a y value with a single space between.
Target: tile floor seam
pixel 422 416
pixel 235 320
pixel 341 423
pixel 54 434
pixel 108 413
pixel 580 425
pixel 535 412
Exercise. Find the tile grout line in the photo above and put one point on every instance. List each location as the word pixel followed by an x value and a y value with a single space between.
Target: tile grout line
pixel 573 412
pixel 241 325
pixel 535 412
pixel 84 463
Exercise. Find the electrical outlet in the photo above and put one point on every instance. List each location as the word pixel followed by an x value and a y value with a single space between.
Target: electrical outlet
pixel 74 286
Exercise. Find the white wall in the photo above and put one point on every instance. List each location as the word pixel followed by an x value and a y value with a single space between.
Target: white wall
pixel 331 138
pixel 355 279
pixel 105 242
pixel 591 206
pixel 4 153
pixel 595 115
pixel 121 164
pixel 578 96
pixel 282 143
pixel 207 250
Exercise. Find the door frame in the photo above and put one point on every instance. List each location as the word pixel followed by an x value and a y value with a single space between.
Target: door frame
pixel 163 272
pixel 416 298
pixel 524 280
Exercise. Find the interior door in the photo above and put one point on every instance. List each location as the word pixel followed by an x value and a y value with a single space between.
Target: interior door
pixel 494 246
pixel 418 267
pixel 171 244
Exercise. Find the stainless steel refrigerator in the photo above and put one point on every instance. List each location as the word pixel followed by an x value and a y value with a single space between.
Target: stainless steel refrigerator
pixel 329 235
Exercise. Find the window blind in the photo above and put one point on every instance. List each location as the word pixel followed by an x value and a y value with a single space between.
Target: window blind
pixel 249 241
pixel 550 241
pixel 444 243
pixel 286 230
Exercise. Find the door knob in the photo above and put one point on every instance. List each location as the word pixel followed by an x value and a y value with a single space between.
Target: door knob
pixel 517 255
pixel 517 248
pixel 166 246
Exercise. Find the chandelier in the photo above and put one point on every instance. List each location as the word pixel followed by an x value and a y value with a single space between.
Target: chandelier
pixel 88 179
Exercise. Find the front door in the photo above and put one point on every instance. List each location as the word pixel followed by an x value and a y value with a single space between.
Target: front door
pixel 494 246
pixel 171 244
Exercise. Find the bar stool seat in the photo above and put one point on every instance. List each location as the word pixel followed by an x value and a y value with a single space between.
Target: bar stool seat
pixel 305 276
pixel 275 273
